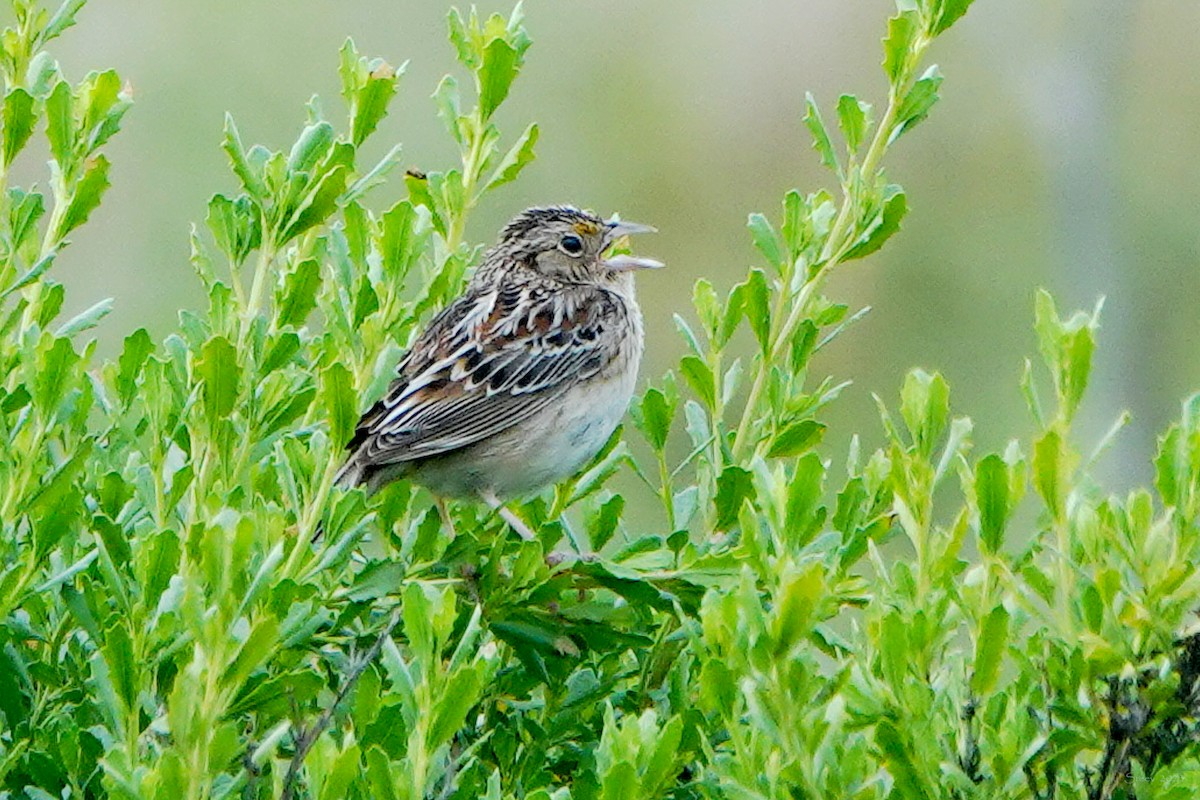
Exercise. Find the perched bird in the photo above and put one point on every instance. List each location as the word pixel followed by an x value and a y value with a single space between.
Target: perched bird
pixel 519 381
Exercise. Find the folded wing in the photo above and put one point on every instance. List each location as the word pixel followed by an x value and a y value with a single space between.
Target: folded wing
pixel 490 360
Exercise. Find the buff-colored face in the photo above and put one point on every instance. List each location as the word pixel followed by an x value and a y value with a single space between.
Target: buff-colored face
pixel 574 249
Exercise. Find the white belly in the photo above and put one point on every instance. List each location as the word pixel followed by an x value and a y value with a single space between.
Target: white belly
pixel 539 451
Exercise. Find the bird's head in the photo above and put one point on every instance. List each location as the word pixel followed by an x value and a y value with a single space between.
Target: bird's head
pixel 566 244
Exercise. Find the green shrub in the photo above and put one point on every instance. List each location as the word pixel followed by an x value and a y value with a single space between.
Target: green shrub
pixel 913 624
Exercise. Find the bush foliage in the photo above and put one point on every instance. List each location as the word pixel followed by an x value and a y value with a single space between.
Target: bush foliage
pixel 914 623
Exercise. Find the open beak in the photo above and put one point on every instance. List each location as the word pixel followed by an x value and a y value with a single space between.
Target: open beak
pixel 619 227
pixel 628 263
pixel 625 263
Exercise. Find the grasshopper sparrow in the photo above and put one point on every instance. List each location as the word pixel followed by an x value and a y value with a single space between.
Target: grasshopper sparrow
pixel 519 381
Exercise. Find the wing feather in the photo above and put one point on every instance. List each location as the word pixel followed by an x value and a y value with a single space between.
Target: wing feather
pixel 493 358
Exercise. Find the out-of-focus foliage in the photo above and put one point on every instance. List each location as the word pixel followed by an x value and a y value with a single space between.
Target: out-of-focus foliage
pixel 914 624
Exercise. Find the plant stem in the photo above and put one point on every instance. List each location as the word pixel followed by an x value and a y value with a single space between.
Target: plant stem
pixel 471 163
pixel 266 256
pixel 840 238
pixel 799 310
pixel 310 735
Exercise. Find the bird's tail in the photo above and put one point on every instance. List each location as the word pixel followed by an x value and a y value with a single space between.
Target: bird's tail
pixel 349 475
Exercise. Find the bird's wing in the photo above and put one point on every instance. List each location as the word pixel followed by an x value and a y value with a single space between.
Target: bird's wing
pixel 489 360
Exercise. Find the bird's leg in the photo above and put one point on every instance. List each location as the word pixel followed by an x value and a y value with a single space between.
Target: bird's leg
pixel 444 513
pixel 515 522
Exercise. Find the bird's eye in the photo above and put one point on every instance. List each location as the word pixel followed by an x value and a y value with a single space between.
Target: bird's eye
pixel 571 245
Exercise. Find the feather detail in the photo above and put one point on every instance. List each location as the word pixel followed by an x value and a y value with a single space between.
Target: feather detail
pixel 494 357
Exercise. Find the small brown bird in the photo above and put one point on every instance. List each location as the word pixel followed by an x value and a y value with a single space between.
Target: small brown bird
pixel 520 381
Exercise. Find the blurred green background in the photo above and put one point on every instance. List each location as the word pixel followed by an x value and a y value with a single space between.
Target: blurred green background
pixel 1063 154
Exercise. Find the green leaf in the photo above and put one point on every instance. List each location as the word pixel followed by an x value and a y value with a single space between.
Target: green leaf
pixel 500 65
pixel 1067 349
pixel 661 768
pixel 418 617
pixel 30 275
pixel 796 438
pixel 299 295
pixel 804 515
pixel 379 775
pixel 894 649
pixel 366 302
pixel 989 650
pixel 604 524
pixel 896 752
pixel 55 367
pixel 798 596
pixel 372 100
pixel 854 118
pixel 881 228
pixel 138 347
pixel 103 106
pixel 402 241
pixel 340 401
pixel 925 406
pixel 282 351
pixel 223 225
pixel 461 39
pixel 253 653
pixel 757 308
pixel 56 505
pixel 1050 471
pixel 86 319
pixel 19 119
pixel 1092 606
pixel 708 307
pixel 25 209
pixel 318 206
pixel 766 240
pixel 48 304
pixel 420 194
pixel 918 102
pixel 86 197
pixel 700 377
pixel 897 45
pixel 730 318
pixel 992 496
pixel 515 160
pixel 620 782
pixel 946 13
pixel 251 175
pixel 1077 367
pixel 218 371
pixel 312 145
pixel 62 19
pixel 234 225
pixel 42 73
pixel 821 141
pixel 122 667
pixel 449 108
pixel 60 124
pixel 351 69
pixel 456 700
pixel 734 486
pixel 656 415
pixel 796 226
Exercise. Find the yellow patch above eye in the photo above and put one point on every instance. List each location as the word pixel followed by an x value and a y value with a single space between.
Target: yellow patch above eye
pixel 587 228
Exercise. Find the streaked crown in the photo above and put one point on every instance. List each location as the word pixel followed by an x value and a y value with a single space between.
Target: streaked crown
pixel 562 243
